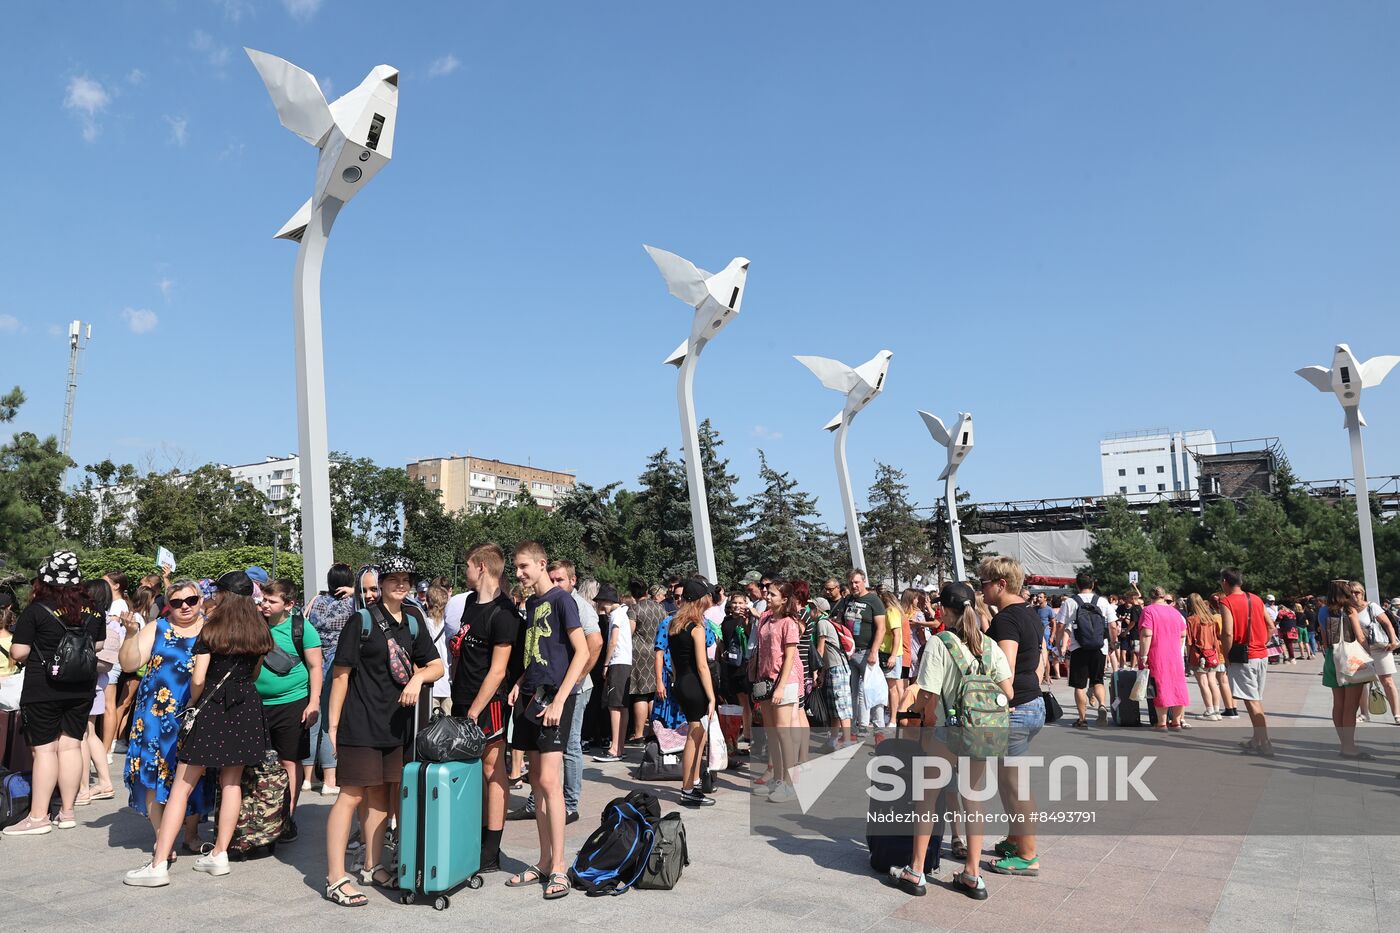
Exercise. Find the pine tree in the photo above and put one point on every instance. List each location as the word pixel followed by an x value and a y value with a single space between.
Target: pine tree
pixel 782 538
pixel 661 542
pixel 895 541
pixel 1121 546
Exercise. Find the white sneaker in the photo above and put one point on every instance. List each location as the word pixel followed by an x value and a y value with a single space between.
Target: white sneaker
pixel 782 794
pixel 306 784
pixel 148 876
pixel 212 864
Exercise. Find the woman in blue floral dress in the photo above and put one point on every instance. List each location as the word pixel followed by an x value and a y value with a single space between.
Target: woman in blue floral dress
pixel 165 647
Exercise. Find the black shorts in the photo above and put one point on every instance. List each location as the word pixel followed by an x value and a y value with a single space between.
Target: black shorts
pixel 734 682
pixel 46 720
pixel 615 687
pixel 531 736
pixel 1086 666
pixel 493 720
pixel 368 767
pixel 641 697
pixel 285 733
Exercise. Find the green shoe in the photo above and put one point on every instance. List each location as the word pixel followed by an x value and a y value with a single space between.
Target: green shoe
pixel 1005 849
pixel 1015 865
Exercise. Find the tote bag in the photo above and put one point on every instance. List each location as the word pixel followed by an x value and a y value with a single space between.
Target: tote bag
pixel 1353 663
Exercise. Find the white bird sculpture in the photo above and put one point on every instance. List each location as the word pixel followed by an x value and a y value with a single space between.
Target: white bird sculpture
pixel 959 444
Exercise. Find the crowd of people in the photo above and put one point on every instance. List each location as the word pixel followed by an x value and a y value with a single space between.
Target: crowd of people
pixel 204 678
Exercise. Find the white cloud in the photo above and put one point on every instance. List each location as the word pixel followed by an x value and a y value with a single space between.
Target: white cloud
pixel 135 76
pixel 167 287
pixel 762 433
pixel 139 320
pixel 89 98
pixel 56 330
pixel 302 9
pixel 444 66
pixel 203 43
pixel 179 129
pixel 9 324
pixel 235 10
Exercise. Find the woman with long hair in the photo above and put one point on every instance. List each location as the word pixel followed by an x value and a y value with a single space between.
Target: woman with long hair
pixel 99 599
pixel 960 647
pixel 121 691
pixel 1380 642
pixel 1160 630
pixel 778 662
pixel 55 706
pixel 1341 620
pixel 1204 658
pixel 229 732
pixel 892 655
pixel 691 685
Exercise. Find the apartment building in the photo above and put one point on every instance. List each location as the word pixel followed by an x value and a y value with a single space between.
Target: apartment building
pixel 475 484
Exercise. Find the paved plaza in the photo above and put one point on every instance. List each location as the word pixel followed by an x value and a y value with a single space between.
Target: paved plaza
pixel 741 880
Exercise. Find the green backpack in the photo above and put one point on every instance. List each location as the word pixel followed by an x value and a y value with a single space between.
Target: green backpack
pixel 979 718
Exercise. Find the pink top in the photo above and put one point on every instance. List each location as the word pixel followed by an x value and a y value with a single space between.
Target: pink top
pixel 1167 626
pixel 775 635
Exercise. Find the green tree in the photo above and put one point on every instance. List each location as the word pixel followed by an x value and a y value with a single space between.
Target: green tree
pixel 1120 545
pixel 783 538
pixel 660 539
pixel 31 493
pixel 202 509
pixel 522 519
pixel 940 541
pixel 896 544
pixel 94 512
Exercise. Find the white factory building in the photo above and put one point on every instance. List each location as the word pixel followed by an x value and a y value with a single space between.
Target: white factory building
pixel 1148 464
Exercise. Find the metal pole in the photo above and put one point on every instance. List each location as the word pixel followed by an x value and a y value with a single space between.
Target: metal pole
pixel 313 444
pixel 75 349
pixel 954 528
pixel 843 478
pixel 695 469
pixel 1363 508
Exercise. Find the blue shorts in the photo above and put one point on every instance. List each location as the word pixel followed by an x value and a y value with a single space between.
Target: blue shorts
pixel 1026 722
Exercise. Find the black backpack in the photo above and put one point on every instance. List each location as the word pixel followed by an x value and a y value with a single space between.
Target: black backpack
pixel 614 857
pixel 669 856
pixel 74 661
pixel 1090 626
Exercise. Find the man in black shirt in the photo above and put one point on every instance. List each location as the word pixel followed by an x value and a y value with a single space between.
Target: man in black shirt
pixel 1017 630
pixel 864 614
pixel 483 645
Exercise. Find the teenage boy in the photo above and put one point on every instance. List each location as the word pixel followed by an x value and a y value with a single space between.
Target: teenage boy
pixel 289 683
pixel 618 669
pixel 368 722
pixel 488 627
pixel 555 658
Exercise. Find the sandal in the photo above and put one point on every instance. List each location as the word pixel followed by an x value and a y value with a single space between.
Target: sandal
pixel 371 876
pixel 1015 865
pixel 1006 848
pixel 558 886
pixel 960 850
pixel 1355 756
pixel 336 894
pixel 532 875
pixel 978 891
pixel 107 794
pixel 902 876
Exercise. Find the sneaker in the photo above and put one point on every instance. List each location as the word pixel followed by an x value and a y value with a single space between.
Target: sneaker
pixel 212 864
pixel 148 876
pixel 329 790
pixel 1231 713
pixel 694 798
pixel 1103 718
pixel 289 831
pixel 525 812
pixel 67 821
pixel 570 817
pixel 306 784
pixel 28 827
pixel 607 758
pixel 783 793
pixel 636 743
pixel 1215 716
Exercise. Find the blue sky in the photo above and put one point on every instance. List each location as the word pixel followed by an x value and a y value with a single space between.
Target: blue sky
pixel 1073 219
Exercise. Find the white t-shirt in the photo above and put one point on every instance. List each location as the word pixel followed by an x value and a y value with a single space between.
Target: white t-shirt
pixel 622 625
pixel 588 619
pixel 1070 607
pixel 452 614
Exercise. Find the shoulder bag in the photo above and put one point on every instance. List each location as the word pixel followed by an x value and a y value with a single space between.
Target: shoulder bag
pixel 1239 653
pixel 189 714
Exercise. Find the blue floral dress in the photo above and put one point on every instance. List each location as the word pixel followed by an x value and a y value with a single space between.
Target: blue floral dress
pixel 155 723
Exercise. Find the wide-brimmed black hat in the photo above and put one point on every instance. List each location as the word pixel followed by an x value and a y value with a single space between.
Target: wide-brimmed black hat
pixel 607 594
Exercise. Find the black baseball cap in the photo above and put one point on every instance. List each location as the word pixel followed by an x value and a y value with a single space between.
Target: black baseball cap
pixel 236 582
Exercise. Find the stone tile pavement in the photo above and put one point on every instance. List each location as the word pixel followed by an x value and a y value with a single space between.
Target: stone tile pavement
pixel 71 880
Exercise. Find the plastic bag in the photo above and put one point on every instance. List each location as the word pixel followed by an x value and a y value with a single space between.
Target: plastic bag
pixel 450 738
pixel 719 750
pixel 877 692
pixel 1139 691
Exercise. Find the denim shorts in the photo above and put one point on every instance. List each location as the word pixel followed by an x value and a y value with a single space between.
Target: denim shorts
pixel 1026 722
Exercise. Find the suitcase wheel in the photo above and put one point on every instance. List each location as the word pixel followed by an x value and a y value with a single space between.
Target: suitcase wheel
pixel 441 902
pixel 475 882
pixel 406 897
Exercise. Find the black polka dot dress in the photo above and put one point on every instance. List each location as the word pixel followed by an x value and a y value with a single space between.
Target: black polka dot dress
pixel 230 728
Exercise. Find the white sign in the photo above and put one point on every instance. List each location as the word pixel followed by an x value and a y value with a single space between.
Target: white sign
pixel 165 559
pixel 1132 577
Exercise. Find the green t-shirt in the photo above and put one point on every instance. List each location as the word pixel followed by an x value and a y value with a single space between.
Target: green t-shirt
pixel 295 685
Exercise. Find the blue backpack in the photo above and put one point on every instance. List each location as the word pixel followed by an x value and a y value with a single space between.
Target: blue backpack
pixel 615 856
pixel 14 797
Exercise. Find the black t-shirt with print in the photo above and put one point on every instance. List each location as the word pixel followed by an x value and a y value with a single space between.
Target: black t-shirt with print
pixel 39 628
pixel 859 613
pixel 1021 624
pixel 371 716
pixel 483 628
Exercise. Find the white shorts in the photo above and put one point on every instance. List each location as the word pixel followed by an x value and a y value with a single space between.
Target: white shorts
pixel 1247 680
pixel 787 698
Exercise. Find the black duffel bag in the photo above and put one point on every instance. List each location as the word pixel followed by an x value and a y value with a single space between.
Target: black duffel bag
pixel 450 738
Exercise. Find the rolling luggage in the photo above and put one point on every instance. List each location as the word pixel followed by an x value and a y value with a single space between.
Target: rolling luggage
pixel 439 829
pixel 890 849
pixel 1127 711
pixel 15 754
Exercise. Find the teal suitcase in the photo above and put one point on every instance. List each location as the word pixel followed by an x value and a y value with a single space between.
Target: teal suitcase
pixel 439 829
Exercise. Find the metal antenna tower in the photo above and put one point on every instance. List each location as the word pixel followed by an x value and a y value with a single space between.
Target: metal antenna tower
pixel 77 342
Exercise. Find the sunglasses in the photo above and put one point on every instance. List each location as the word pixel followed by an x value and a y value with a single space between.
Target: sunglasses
pixel 187 603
